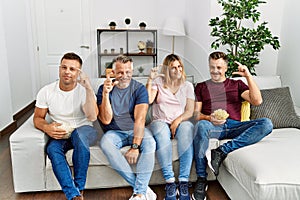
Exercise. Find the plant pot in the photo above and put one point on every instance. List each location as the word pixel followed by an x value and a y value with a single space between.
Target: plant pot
pixel 149 50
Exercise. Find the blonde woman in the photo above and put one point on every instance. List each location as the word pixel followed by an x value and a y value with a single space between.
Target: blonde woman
pixel 173 104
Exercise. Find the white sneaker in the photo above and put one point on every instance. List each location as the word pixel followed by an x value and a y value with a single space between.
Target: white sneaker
pixel 138 197
pixel 150 195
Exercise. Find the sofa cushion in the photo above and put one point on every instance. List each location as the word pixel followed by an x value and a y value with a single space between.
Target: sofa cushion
pixel 245 111
pixel 278 106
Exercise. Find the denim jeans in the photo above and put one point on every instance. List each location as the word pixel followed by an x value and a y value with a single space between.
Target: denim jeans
pixel 111 143
pixel 242 134
pixel 184 135
pixel 80 140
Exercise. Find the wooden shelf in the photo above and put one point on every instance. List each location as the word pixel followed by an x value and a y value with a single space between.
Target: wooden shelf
pixel 126 39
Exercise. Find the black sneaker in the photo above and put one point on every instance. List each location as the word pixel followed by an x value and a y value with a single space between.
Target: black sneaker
pixel 184 191
pixel 171 191
pixel 217 157
pixel 200 189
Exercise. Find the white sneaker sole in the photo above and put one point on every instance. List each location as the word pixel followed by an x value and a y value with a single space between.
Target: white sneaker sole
pixel 150 195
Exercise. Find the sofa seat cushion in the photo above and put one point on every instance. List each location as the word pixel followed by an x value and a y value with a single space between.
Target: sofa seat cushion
pixel 97 157
pixel 269 169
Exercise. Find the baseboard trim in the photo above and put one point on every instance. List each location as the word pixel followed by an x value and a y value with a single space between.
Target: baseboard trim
pixel 24 111
pixel 9 129
pixel 19 118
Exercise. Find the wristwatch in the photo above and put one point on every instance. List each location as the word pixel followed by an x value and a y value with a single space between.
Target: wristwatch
pixel 135 146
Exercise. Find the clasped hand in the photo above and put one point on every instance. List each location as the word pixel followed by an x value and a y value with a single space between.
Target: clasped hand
pixel 54 132
pixel 215 121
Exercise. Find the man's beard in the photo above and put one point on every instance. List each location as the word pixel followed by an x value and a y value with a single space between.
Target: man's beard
pixel 123 84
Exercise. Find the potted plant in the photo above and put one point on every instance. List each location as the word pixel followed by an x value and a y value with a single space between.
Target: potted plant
pixel 149 46
pixel 127 22
pixel 112 25
pixel 142 25
pixel 244 43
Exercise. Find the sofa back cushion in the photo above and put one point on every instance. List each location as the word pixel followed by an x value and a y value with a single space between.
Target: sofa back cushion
pixel 278 106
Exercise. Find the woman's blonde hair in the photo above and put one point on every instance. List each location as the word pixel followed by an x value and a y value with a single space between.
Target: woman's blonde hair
pixel 166 69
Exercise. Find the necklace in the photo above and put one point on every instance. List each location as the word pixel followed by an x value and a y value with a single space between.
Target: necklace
pixel 174 89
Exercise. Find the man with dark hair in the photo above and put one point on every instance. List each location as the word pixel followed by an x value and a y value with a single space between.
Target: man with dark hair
pixel 218 112
pixel 72 108
pixel 123 106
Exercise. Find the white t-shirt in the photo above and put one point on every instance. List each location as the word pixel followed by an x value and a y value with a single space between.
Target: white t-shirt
pixel 64 107
pixel 168 106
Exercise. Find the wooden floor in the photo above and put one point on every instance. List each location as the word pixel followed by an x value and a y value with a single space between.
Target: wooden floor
pixel 215 191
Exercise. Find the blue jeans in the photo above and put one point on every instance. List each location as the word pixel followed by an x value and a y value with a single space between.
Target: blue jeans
pixel 242 134
pixel 184 136
pixel 111 143
pixel 80 140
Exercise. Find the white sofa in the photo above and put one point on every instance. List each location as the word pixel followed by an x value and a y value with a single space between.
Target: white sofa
pixel 29 161
pixel 266 170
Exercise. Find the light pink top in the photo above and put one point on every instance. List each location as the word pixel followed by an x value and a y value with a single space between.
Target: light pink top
pixel 168 106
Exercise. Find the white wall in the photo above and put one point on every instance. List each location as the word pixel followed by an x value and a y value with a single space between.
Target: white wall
pixel 5 100
pixel 271 12
pixel 197 44
pixel 288 62
pixel 16 56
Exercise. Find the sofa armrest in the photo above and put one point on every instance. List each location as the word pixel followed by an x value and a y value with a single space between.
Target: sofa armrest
pixel 27 148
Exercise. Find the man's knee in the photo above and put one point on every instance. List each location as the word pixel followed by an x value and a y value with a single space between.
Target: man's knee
pixel 105 143
pixel 148 143
pixel 53 149
pixel 267 124
pixel 201 128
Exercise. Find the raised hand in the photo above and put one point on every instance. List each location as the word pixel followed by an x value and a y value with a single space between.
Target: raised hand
pixel 108 84
pixel 154 73
pixel 84 80
pixel 242 70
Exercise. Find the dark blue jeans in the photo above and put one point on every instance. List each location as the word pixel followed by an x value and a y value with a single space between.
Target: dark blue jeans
pixel 81 139
pixel 241 133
